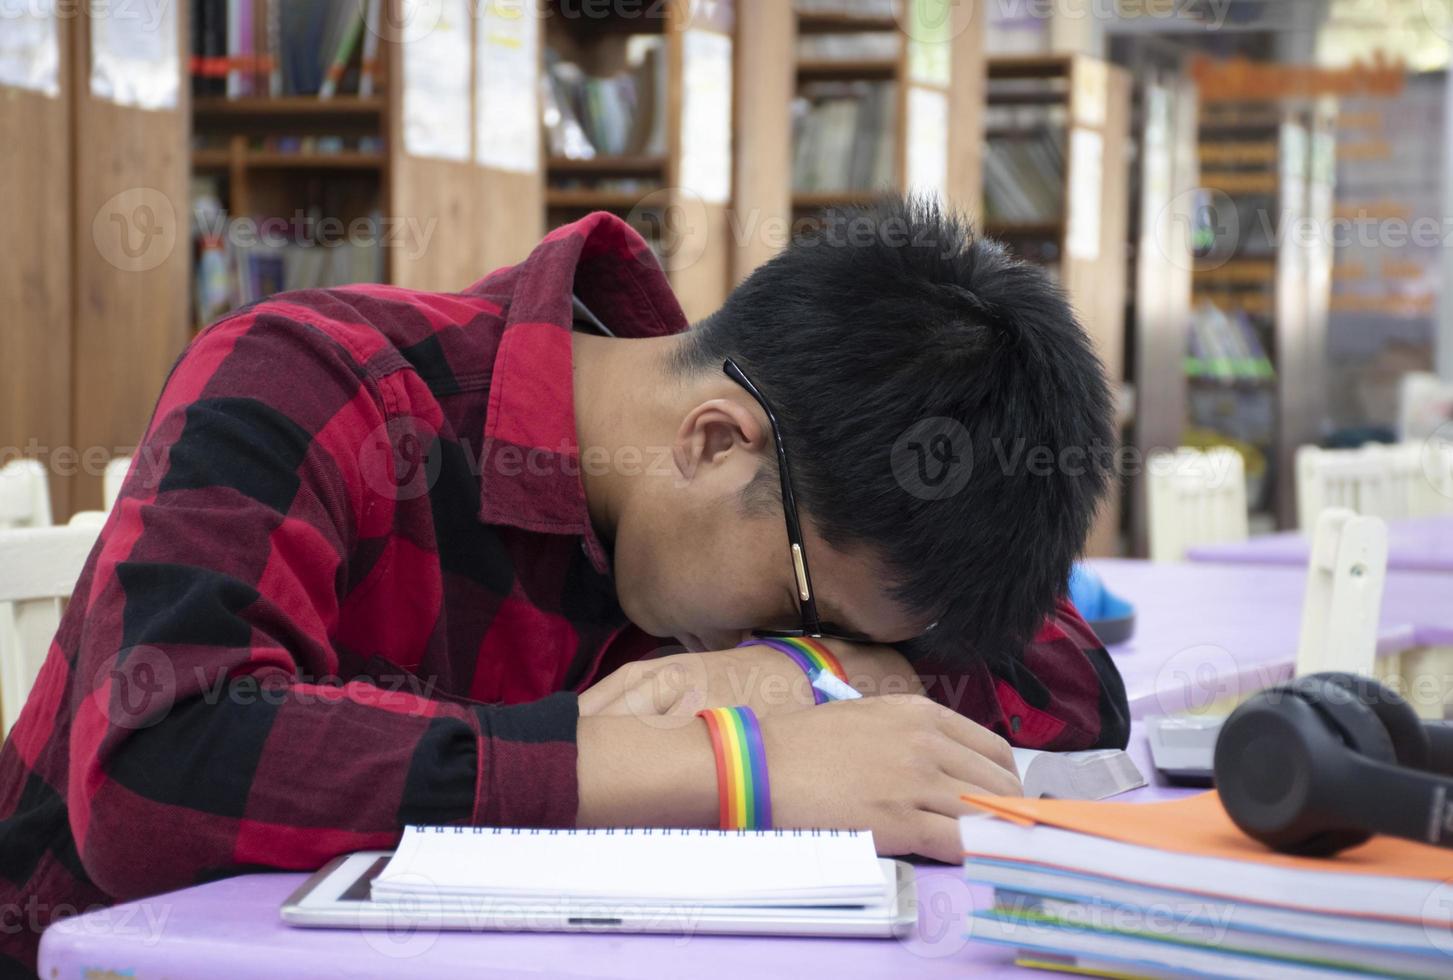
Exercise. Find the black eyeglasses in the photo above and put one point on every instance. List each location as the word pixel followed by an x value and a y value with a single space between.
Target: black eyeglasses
pixel 807 603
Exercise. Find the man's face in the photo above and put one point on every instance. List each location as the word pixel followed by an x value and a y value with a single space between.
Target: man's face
pixel 691 562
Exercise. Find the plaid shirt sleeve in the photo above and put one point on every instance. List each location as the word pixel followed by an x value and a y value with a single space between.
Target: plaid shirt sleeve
pixel 1063 693
pixel 210 732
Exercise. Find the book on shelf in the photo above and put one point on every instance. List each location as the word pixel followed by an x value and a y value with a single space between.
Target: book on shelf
pixel 849 46
pixel 1167 889
pixel 623 114
pixel 865 9
pixel 1226 346
pixel 844 137
pixel 263 269
pixel 1024 176
pixel 243 48
pixel 232 270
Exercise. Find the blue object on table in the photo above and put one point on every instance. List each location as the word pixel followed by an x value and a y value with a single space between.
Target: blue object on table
pixel 1111 617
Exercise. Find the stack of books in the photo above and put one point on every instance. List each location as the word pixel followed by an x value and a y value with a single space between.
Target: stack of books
pixel 1169 889
pixel 1226 347
pixel 271 48
pixel 1024 176
pixel 844 136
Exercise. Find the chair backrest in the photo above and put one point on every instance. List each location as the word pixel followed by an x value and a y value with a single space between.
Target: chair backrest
pixel 38 572
pixel 1372 480
pixel 1429 465
pixel 114 476
pixel 1425 405
pixel 24 494
pixel 1195 498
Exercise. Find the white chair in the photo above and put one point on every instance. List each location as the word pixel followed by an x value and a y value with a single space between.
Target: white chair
pixel 114 476
pixel 24 494
pixel 1195 498
pixel 38 572
pixel 1429 469
pixel 1366 481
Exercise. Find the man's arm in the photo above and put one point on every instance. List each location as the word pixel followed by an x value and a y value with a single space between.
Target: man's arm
pixel 200 744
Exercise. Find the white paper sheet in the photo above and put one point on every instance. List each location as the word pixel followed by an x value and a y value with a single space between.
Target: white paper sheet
pixel 135 53
pixel 436 79
pixel 706 123
pixel 1087 173
pixel 29 49
pixel 927 142
pixel 507 99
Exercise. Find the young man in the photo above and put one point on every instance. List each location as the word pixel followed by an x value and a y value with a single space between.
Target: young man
pixel 376 540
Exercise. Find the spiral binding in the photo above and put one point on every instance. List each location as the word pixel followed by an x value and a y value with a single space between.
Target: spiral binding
pixel 636 831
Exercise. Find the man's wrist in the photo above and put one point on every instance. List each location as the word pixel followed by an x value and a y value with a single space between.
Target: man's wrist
pixel 873 669
pixel 655 772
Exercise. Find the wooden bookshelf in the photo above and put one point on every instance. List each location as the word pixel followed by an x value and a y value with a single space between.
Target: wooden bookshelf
pixel 1084 104
pixel 446 219
pixel 1270 171
pixel 662 195
pixel 938 86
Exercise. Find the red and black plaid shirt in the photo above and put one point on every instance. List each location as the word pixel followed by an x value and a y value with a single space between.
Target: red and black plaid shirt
pixel 352 584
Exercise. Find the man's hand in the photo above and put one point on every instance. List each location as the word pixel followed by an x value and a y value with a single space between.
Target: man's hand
pixel 895 765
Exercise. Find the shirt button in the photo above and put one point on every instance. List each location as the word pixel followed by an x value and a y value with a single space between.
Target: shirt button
pixel 1015 723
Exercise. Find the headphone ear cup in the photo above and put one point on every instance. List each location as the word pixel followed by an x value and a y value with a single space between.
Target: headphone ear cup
pixel 1269 762
pixel 1275 764
pixel 1404 727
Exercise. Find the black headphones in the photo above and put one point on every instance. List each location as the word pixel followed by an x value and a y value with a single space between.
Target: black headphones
pixel 1324 762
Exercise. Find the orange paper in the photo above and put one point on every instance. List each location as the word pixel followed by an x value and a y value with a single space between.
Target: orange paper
pixel 1199 825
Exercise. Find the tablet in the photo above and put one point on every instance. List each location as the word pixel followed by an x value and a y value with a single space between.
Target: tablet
pixel 338 897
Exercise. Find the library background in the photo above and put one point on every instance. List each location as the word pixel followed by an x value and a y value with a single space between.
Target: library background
pixel 1246 200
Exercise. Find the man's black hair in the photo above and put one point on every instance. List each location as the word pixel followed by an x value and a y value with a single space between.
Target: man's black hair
pixel 875 338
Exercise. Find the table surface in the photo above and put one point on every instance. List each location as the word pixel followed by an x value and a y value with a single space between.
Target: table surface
pixel 192 932
pixel 1203 632
pixel 1207 631
pixel 1415 544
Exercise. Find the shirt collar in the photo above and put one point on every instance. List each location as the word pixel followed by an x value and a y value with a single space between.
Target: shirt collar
pixel 530 473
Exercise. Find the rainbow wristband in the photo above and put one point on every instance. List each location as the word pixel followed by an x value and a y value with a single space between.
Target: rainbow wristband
pixel 825 673
pixel 741 768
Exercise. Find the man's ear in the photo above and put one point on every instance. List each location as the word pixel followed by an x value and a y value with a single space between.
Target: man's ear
pixel 713 431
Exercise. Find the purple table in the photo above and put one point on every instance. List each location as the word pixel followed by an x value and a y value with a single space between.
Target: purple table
pixel 1205 631
pixel 231 928
pixel 1416 544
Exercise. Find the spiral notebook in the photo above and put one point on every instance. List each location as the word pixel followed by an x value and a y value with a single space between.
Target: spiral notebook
pixel 687 882
pixel 643 865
